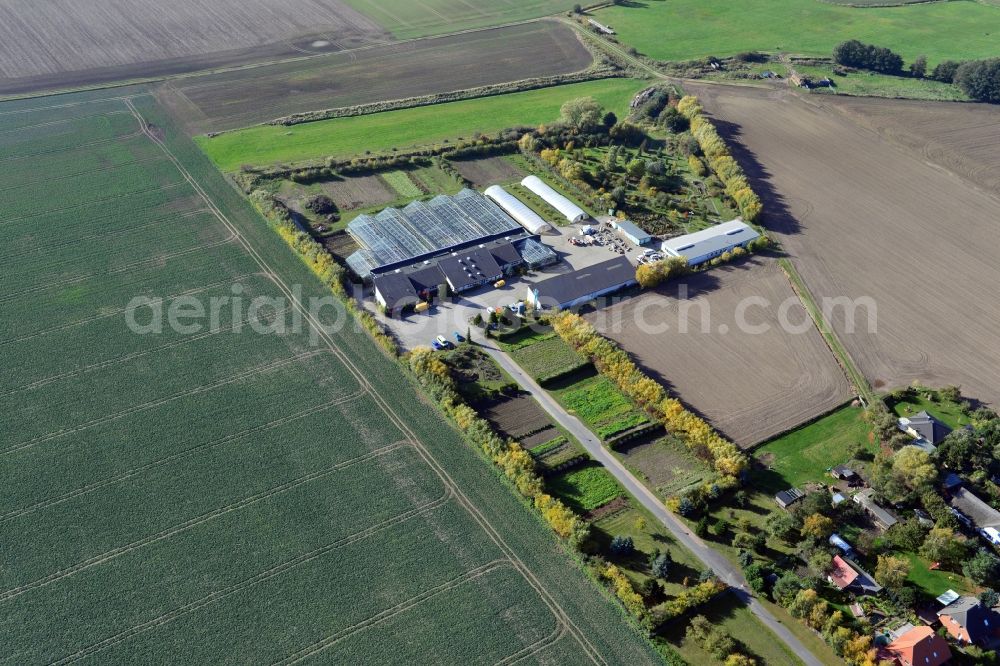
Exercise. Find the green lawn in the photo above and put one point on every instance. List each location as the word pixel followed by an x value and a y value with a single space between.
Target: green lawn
pixel 733 619
pixel 406 19
pixel 935 582
pixel 686 29
pixel 404 128
pixel 948 413
pixel 807 453
pixel 869 84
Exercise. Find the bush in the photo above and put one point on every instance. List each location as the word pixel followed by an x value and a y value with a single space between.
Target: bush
pixel 853 53
pixel 622 546
pixel 980 80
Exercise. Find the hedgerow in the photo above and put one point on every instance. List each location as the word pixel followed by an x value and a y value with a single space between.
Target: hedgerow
pixel 719 159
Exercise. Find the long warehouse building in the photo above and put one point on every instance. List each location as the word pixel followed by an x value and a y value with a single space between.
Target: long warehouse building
pixel 516 208
pixel 567 208
pixel 705 245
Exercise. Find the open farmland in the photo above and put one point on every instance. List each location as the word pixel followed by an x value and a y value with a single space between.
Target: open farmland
pixel 687 29
pixel 242 491
pixel 241 97
pixel 344 137
pixel 861 216
pixel 750 383
pixel 49 45
pixel 406 18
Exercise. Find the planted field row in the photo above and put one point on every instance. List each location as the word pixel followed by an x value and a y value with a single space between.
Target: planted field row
pixel 116 390
pixel 114 450
pixel 97 217
pixel 22 146
pixel 51 169
pixel 25 113
pixel 95 256
pixel 90 187
pixel 275 541
pixel 28 361
pixel 52 306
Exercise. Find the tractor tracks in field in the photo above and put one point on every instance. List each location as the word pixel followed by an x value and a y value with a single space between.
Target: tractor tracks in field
pixel 201 519
pixel 164 400
pixel 180 455
pixel 474 512
pixel 258 578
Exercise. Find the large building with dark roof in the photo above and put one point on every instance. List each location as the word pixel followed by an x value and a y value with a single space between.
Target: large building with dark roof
pixel 572 289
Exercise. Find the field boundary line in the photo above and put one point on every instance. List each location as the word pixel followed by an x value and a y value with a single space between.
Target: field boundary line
pixel 392 612
pixel 265 367
pixel 134 355
pixel 554 637
pixel 135 471
pixel 260 577
pixel 116 98
pixel 201 519
pixel 844 360
pixel 128 268
pixel 464 501
pixel 236 279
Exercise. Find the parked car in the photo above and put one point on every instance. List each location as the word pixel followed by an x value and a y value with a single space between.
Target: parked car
pixel 443 341
pixel 436 345
pixel 459 337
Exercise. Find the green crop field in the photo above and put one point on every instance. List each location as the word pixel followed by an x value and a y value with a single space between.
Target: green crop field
pixel 687 29
pixel 599 403
pixel 406 19
pixel 404 128
pixel 548 358
pixel 233 487
pixel 585 488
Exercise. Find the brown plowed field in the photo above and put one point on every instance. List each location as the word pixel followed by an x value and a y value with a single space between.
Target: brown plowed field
pixel 64 44
pixel 750 386
pixel 239 98
pixel 488 171
pixel 878 214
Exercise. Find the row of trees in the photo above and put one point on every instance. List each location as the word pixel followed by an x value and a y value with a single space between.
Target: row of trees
pixel 853 53
pixel 720 161
pixel 516 463
pixel 613 362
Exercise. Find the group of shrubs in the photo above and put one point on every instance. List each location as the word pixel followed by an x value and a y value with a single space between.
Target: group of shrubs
pixel 720 161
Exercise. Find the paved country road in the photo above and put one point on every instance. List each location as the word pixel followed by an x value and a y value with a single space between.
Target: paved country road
pixel 709 557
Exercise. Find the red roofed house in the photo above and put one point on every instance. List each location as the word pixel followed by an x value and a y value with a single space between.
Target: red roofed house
pixel 919 646
pixel 842 574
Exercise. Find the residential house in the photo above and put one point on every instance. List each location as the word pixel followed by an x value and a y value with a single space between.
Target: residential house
pixel 970 622
pixel 978 514
pixel 844 473
pixel 926 430
pixel 919 646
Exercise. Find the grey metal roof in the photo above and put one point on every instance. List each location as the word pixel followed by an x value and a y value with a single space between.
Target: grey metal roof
pixel 981 513
pixel 721 237
pixel 925 425
pixel 633 230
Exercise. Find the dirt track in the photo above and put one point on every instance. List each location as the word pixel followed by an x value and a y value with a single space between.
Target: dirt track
pixel 750 386
pixel 239 98
pixel 868 213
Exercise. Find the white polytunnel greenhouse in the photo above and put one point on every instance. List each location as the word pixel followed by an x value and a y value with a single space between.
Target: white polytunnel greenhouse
pixel 570 210
pixel 514 207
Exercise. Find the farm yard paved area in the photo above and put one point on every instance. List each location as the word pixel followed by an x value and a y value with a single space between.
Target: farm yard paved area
pixel 862 216
pixel 224 497
pixel 749 386
pixel 227 100
pixel 66 44
pixel 710 557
